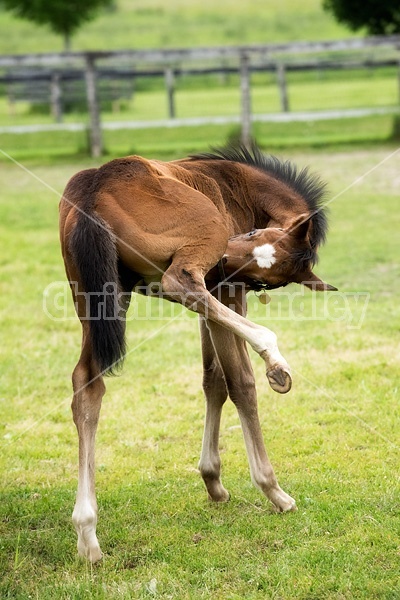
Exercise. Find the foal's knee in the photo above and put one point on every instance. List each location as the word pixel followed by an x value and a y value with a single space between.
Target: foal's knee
pixel 213 381
pixel 242 390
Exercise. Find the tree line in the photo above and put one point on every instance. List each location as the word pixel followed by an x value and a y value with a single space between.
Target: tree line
pixel 65 17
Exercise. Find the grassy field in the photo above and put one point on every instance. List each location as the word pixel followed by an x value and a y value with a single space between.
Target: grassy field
pixel 155 23
pixel 58 147
pixel 333 440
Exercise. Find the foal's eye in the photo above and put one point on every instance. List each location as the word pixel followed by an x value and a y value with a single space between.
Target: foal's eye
pixel 252 233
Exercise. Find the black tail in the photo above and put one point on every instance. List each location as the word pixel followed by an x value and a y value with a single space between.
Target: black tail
pixel 92 245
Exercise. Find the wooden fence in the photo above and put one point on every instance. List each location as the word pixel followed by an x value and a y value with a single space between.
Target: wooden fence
pixel 241 59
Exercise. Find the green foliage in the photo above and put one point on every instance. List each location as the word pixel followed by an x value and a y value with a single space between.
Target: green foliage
pixel 64 17
pixel 377 16
pixel 396 128
pixel 177 23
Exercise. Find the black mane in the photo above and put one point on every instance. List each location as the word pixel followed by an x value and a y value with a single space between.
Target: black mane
pixel 309 186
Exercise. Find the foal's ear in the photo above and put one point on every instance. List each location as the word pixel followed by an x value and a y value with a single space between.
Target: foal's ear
pixel 299 225
pixel 313 282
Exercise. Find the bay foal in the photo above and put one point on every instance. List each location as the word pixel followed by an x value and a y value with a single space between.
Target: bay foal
pixel 137 224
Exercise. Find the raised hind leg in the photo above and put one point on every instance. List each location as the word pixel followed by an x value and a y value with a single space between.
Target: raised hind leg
pixel 183 282
pixel 88 392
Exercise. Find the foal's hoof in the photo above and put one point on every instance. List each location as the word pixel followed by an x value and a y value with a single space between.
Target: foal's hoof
pixel 216 491
pixel 222 496
pixel 279 379
pixel 281 501
pixel 286 505
pixel 91 554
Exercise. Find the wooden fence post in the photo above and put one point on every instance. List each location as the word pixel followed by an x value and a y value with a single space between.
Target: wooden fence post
pixel 170 86
pixel 398 80
pixel 245 98
pixel 281 76
pixel 96 144
pixel 55 97
pixel 11 100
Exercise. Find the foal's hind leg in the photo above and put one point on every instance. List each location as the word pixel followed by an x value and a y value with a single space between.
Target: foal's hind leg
pixel 216 393
pixel 183 281
pixel 88 392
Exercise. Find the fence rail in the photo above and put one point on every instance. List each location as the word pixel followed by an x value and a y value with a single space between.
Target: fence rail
pixel 65 87
pixel 171 55
pixel 89 66
pixel 321 115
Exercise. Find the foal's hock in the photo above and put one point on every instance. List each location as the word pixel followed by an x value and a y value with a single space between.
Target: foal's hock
pixel 183 230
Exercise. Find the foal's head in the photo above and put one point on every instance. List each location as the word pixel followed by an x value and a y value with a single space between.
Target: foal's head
pixel 274 257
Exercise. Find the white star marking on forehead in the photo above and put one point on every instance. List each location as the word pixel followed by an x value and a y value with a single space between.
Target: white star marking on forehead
pixel 264 255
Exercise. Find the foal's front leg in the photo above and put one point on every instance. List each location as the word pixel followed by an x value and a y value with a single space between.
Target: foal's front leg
pixel 229 331
pixel 216 393
pixel 220 347
pixel 231 353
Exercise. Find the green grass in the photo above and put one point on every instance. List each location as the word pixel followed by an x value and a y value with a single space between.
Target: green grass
pixel 333 440
pixel 155 23
pixel 58 147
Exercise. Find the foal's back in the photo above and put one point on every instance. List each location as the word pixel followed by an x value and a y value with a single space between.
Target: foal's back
pixel 153 209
